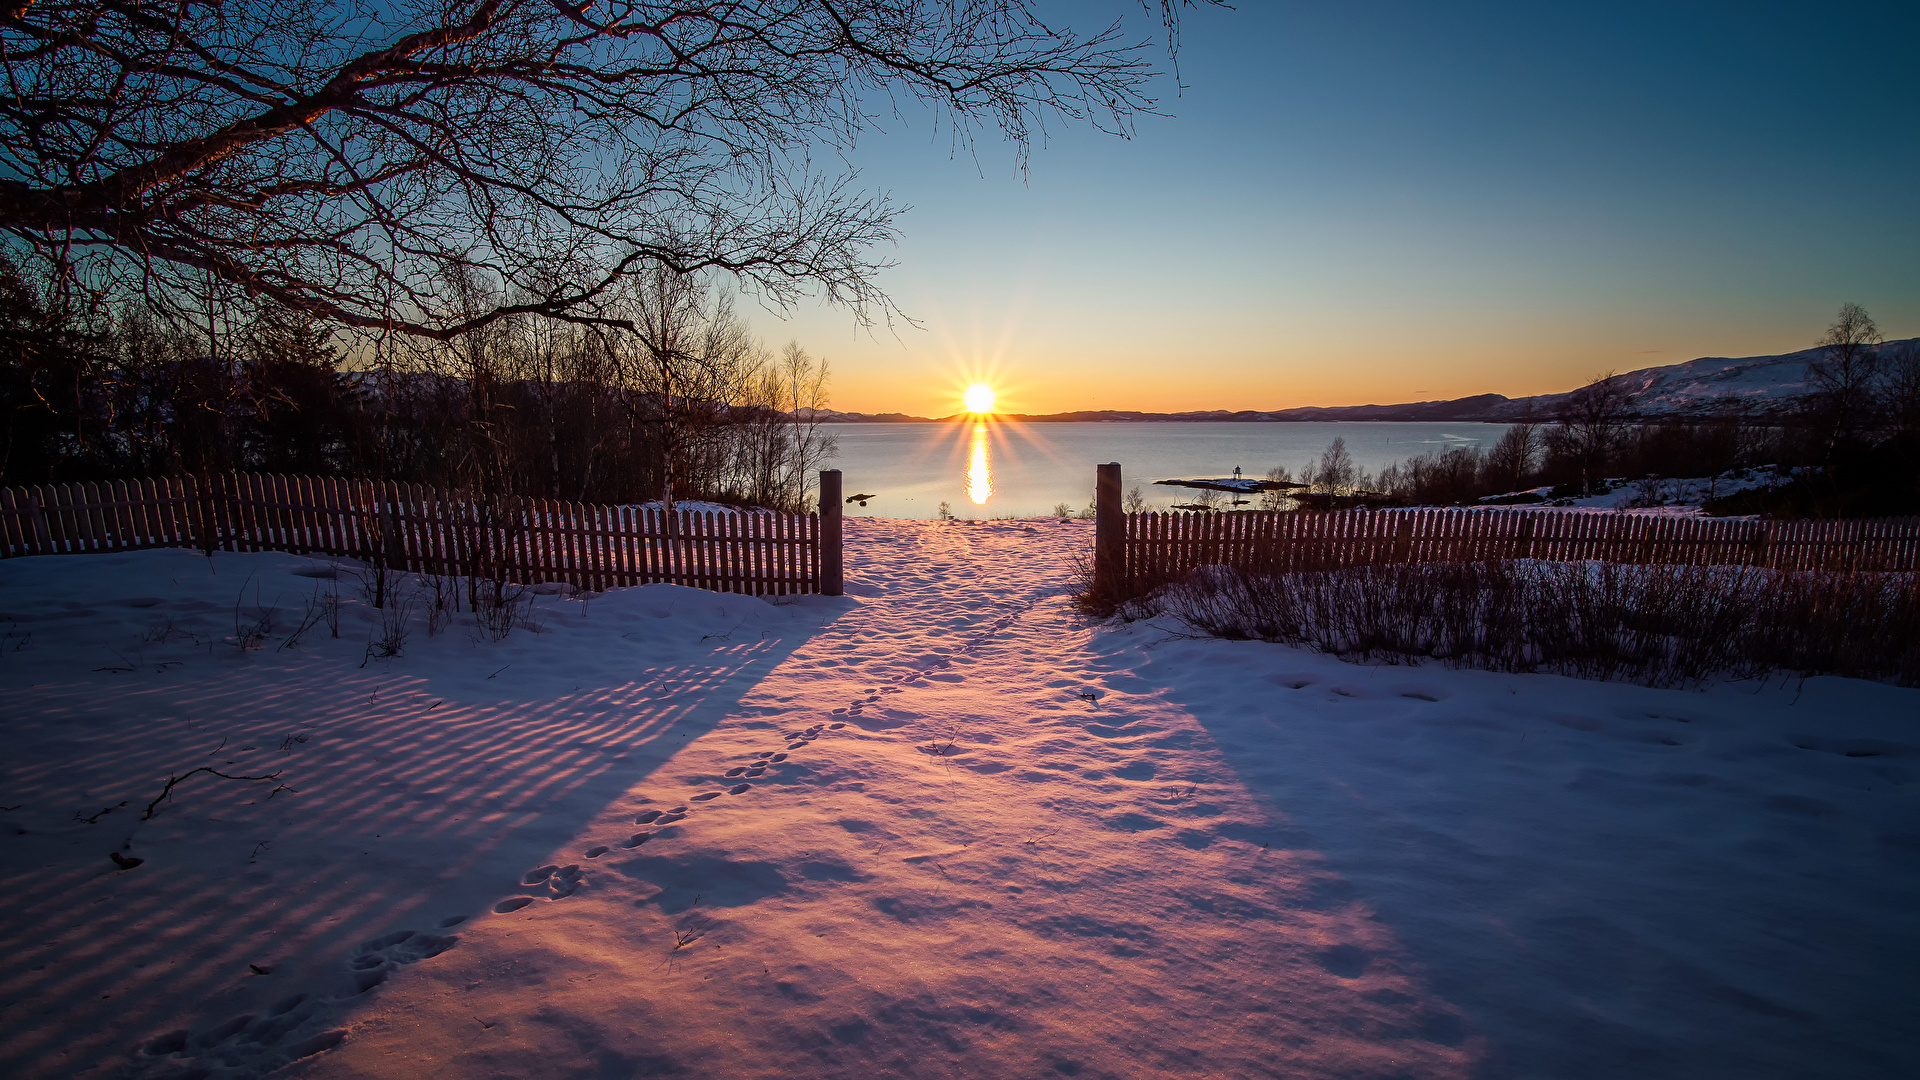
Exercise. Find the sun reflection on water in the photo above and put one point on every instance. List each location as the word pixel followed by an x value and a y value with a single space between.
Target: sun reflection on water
pixel 980 468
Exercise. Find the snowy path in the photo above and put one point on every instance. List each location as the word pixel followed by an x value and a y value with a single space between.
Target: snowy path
pixel 944 828
pixel 980 874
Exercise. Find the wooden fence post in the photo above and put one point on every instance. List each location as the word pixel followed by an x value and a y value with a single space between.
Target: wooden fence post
pixel 832 569
pixel 1109 531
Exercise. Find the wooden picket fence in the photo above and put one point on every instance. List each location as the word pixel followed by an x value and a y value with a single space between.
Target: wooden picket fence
pixel 423 530
pixel 1162 547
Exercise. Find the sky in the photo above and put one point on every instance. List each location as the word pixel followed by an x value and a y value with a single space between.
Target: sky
pixel 1376 202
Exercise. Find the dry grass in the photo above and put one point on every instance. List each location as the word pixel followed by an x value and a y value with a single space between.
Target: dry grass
pixel 1658 625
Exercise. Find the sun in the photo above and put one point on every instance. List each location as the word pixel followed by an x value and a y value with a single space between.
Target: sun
pixel 979 398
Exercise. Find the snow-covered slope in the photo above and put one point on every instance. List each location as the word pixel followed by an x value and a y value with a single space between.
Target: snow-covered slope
pixel 1761 382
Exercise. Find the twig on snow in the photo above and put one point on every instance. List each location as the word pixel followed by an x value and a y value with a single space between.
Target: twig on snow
pixel 167 792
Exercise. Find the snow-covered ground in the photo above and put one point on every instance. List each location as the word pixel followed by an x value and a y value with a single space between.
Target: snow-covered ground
pixel 1654 494
pixel 943 827
pixel 699 506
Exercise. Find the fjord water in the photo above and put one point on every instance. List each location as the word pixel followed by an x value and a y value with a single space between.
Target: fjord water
pixel 997 468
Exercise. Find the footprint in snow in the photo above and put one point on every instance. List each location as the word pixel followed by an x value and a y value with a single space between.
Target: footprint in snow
pixel 705 795
pixel 739 789
pixel 559 880
pixel 373 961
pixel 292 1028
pixel 552 882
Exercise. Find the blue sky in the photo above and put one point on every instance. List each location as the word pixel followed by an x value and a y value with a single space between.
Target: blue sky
pixel 1387 202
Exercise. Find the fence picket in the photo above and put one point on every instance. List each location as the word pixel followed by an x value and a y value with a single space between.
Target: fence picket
pixel 13 515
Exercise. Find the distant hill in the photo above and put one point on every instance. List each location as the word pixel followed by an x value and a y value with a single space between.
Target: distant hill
pixel 1763 382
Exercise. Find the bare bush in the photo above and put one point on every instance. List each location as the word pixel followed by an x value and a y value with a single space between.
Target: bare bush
pixel 441 595
pixel 395 626
pixel 1662 625
pixel 501 607
pixel 1278 498
pixel 323 607
pixel 250 631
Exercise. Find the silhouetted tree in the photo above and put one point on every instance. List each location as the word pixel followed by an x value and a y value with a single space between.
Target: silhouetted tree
pixel 1591 424
pixel 1335 472
pixel 1513 459
pixel 1841 380
pixel 1901 391
pixel 52 403
pixel 360 161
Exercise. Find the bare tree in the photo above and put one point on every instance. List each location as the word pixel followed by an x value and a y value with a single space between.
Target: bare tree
pixel 1335 473
pixel 1900 380
pixel 778 439
pixel 368 163
pixel 1514 458
pixel 1592 423
pixel 1277 498
pixel 689 358
pixel 1841 380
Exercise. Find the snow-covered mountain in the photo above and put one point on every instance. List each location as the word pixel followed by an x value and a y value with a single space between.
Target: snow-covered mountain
pixel 1762 382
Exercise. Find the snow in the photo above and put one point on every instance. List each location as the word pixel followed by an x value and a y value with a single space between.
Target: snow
pixel 1003 841
pixel 701 506
pixel 1242 484
pixel 1655 495
pixel 1763 383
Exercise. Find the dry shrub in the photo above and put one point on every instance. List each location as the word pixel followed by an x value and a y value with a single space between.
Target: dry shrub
pixel 1661 625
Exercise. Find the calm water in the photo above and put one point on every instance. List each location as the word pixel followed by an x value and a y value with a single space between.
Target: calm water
pixel 1022 470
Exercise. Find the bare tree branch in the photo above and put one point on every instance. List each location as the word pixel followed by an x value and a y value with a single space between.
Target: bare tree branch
pixel 355 159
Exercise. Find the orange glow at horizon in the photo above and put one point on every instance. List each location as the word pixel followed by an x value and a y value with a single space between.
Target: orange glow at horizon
pixel 979 468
